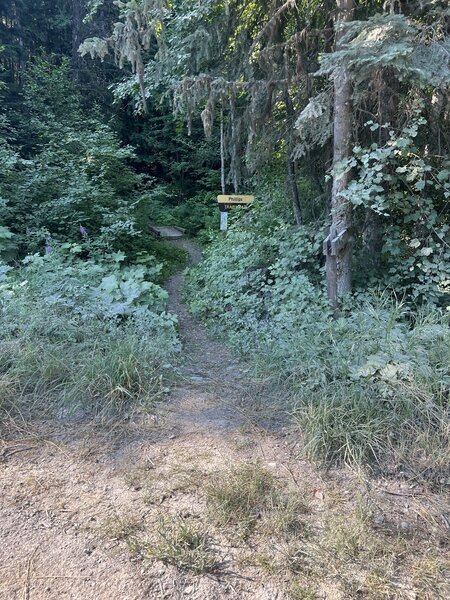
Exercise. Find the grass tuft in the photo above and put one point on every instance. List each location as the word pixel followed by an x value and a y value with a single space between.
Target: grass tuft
pixel 248 495
pixel 353 424
pixel 182 544
pixel 124 529
pixel 431 576
pixel 240 496
pixel 299 592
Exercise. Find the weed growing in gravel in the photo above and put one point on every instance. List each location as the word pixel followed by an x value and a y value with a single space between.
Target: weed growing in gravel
pixel 299 592
pixel 182 544
pixel 121 528
pixel 249 495
pixel 431 576
pixel 362 560
pixel 240 496
pixel 286 517
pixel 124 529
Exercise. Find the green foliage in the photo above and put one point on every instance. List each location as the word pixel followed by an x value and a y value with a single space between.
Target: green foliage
pixel 7 246
pixel 92 288
pixel 411 191
pixel 76 173
pixel 9 160
pixel 369 385
pixel 171 258
pixel 313 124
pixel 364 385
pixel 198 215
pixel 393 41
pixel 83 335
pixel 256 282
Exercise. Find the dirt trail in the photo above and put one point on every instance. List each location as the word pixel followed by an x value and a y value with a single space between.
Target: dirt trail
pixel 70 493
pixel 207 401
pixel 62 484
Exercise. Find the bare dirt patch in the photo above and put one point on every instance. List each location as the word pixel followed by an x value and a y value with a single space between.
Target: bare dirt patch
pixel 124 512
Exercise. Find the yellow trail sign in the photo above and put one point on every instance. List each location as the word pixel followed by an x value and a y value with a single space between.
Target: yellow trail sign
pixel 227 203
pixel 235 199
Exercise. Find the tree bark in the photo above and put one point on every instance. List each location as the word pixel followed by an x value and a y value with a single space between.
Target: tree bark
pixel 373 238
pixel 222 154
pixel 18 69
pixel 338 245
pixel 141 78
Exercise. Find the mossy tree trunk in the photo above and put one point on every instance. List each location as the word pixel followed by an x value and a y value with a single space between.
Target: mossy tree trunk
pixel 338 245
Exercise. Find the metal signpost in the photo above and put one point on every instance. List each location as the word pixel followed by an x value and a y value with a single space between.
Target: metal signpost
pixel 227 203
pixel 223 220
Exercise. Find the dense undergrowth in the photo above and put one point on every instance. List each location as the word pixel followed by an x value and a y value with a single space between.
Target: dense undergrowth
pixel 83 322
pixel 82 336
pixel 370 386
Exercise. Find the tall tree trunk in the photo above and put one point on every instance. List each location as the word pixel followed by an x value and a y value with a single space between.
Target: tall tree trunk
pixel 141 78
pixel 223 184
pixel 295 197
pixel 338 244
pixel 372 238
pixel 438 101
pixel 18 70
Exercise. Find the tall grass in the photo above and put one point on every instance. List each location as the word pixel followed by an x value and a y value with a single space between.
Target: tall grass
pixel 107 371
pixel 59 356
pixel 371 387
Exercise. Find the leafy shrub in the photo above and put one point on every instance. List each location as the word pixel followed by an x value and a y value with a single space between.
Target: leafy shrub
pixel 83 335
pixel 7 246
pixel 198 214
pixel 412 188
pixel 255 285
pixel 64 168
pixel 370 384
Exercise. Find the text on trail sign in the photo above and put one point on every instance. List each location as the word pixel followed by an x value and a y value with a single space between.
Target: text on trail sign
pixel 227 203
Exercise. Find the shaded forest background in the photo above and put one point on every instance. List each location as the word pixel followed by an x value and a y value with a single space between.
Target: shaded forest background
pixel 58 109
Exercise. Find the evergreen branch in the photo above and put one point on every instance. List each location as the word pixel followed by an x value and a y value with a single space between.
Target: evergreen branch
pixel 273 21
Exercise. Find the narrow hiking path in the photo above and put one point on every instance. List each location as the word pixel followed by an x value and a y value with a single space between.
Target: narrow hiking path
pixel 76 500
pixel 214 396
pixel 207 398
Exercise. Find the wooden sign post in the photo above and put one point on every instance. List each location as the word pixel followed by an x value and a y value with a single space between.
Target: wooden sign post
pixel 227 203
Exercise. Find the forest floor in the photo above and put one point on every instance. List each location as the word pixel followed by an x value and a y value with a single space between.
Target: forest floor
pixel 210 497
